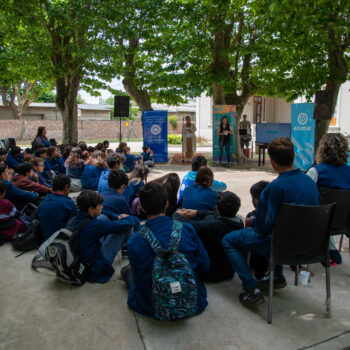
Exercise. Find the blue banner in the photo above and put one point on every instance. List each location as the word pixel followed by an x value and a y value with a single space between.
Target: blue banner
pixel 303 134
pixel 155 133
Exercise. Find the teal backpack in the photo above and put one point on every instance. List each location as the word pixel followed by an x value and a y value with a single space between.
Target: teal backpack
pixel 174 290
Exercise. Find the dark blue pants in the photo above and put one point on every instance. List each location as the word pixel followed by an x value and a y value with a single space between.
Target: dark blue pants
pixel 225 145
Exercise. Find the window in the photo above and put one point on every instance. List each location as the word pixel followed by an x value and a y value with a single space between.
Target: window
pixel 257 109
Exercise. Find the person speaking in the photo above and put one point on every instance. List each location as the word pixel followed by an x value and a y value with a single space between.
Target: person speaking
pixel 188 139
pixel 224 132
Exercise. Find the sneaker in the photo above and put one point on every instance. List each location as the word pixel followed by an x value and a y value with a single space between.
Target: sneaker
pixel 279 282
pixel 251 298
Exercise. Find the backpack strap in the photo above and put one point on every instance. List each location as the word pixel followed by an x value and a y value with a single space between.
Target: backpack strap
pixel 80 226
pixel 148 235
pixel 175 235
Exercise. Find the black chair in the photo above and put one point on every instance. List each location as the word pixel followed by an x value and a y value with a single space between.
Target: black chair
pixel 341 217
pixel 10 142
pixel 301 236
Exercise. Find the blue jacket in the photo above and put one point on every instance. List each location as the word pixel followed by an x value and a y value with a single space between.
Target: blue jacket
pixel 199 198
pixel 141 258
pixel 331 176
pixel 12 161
pixel 146 156
pixel 91 176
pixel 189 178
pixel 42 180
pixel 103 182
pixel 131 160
pixel 18 196
pixel 52 164
pixel 114 204
pixel 293 187
pixel 132 190
pixel 89 247
pixel 54 213
pixel 75 172
pixel 61 168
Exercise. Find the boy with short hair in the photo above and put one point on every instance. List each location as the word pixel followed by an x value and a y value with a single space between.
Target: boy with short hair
pixel 114 203
pixel 130 159
pixel 14 157
pixel 3 154
pixel 100 257
pixel 9 216
pixel 38 168
pixel 21 180
pixel 153 199
pixel 211 228
pixel 57 208
pixel 291 186
pixel 16 195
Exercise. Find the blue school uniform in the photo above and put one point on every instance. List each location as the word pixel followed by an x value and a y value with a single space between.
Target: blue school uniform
pixel 42 180
pixel 12 161
pixel 89 247
pixel 18 196
pixel 61 167
pixel 51 165
pixel 199 198
pixel 75 172
pixel 189 178
pixel 54 213
pixel 146 156
pixel 91 176
pixel 103 182
pixel 131 192
pixel 332 176
pixel 114 204
pixel 141 258
pixel 130 161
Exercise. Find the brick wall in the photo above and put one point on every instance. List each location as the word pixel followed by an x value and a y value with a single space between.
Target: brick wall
pixel 88 130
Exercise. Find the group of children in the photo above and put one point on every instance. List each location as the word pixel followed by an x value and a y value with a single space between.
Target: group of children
pixel 213 238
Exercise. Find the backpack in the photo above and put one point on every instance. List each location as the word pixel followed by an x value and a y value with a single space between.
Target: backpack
pixel 174 290
pixel 59 254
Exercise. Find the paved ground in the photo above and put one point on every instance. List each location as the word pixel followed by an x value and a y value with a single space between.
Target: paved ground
pixel 38 312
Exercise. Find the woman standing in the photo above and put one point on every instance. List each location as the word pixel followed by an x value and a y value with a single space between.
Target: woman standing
pixel 188 139
pixel 224 132
pixel 41 139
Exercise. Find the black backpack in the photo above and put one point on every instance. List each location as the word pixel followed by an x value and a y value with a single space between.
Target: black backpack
pixel 59 253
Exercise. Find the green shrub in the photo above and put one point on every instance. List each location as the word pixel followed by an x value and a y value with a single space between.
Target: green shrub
pixel 173 121
pixel 174 139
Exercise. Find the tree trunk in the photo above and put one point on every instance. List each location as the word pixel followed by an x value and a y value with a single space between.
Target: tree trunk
pixel 66 100
pixel 141 97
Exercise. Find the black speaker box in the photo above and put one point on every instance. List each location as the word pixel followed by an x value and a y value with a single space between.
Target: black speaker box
pixel 10 142
pixel 323 104
pixel 121 106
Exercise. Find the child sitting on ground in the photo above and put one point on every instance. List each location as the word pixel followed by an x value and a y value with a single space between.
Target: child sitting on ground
pixel 93 170
pixel 57 208
pixel 147 156
pixel 100 256
pixel 74 169
pixel 131 160
pixel 16 195
pixel 211 228
pixel 137 179
pixel 114 203
pixel 200 196
pixel 22 180
pixel 38 167
pixel 51 163
pixel 138 274
pixel 114 161
pixel 9 216
pixel 120 148
pixel 3 154
pixel 14 157
pixel 62 160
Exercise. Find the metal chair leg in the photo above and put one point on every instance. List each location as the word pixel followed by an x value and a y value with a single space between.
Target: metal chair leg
pixel 269 319
pixel 341 242
pixel 328 291
pixel 308 269
pixel 296 275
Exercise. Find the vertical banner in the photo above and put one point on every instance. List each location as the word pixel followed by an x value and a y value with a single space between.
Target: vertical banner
pixel 155 133
pixel 219 112
pixel 303 134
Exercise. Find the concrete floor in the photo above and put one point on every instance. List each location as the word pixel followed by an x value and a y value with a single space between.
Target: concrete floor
pixel 39 312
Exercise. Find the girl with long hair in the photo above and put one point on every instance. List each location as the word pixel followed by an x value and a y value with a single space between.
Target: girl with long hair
pixel 92 171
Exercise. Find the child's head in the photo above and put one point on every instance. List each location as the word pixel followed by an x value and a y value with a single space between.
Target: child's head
pixel 2 190
pixel 4 172
pixel 256 190
pixel 228 204
pixel 204 177
pixel 153 199
pixel 145 149
pixel 15 151
pixel 3 154
pixel 281 152
pixel 61 183
pixel 25 168
pixel 106 144
pixel 38 164
pixel 41 152
pixel 90 202
pixel 66 151
pixel 126 150
pixel 118 180
pixel 140 172
pixel 121 146
pixel 99 146
pixel 83 146
pixel 115 160
pixel 91 150
pixel 97 159
pixel 51 152
pixel 75 157
pixel 197 162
